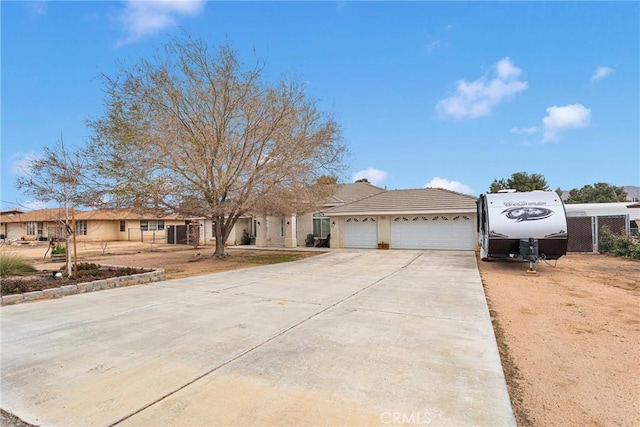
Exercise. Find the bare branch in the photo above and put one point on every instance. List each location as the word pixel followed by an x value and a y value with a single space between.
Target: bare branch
pixel 198 133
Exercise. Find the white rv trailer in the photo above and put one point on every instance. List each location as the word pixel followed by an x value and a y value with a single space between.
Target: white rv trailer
pixel 512 224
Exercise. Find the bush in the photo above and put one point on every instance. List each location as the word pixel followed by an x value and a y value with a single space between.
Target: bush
pixel 58 250
pixel 88 266
pixel 12 265
pixel 618 244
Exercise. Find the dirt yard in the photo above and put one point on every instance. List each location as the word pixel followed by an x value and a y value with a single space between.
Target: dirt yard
pixel 569 336
pixel 177 261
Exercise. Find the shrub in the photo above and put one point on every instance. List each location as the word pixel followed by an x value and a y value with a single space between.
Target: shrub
pixel 88 266
pixel 59 249
pixel 618 244
pixel 12 265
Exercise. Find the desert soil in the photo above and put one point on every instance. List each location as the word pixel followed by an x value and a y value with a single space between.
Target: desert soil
pixel 569 336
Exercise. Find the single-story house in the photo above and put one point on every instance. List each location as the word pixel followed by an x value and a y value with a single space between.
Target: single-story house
pixel 97 225
pixel 358 215
pixel 124 224
pixel 426 218
pixel 33 225
pixel 294 230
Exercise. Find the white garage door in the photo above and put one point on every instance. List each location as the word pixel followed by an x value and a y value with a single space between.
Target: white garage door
pixel 453 231
pixel 361 232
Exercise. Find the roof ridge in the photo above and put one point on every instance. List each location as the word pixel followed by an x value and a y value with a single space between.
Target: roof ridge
pixel 364 198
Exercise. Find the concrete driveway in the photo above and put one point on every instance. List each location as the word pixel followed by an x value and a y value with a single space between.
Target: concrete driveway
pixel 345 338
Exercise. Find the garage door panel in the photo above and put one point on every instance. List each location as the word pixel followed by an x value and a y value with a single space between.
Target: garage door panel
pixel 361 232
pixel 454 232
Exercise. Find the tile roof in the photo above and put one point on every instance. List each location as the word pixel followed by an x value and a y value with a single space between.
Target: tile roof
pixel 423 200
pixel 56 214
pixel 348 193
pixel 45 215
pixel 124 213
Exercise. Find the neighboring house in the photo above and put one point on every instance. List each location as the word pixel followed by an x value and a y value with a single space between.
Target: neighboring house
pixel 124 224
pixel 98 225
pixel 426 218
pixel 34 225
pixel 292 230
pixel 635 216
pixel 4 225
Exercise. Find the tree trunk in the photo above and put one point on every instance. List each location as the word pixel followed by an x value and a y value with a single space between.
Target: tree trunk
pixel 220 237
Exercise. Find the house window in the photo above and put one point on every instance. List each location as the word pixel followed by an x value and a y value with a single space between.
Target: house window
pixel 81 228
pixel 40 228
pixel 123 226
pixel 31 229
pixel 281 227
pixel 152 225
pixel 320 226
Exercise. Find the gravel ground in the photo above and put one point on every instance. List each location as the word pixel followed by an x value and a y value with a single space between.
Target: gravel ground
pixel 10 420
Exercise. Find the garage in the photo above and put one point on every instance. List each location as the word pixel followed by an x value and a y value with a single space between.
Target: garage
pixel 448 232
pixel 361 232
pixel 424 218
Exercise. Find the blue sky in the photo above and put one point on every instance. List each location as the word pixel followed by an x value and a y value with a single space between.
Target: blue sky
pixel 445 94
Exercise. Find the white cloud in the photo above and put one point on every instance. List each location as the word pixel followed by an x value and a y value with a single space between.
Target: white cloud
pixel 525 131
pixel 477 98
pixel 145 18
pixel 433 45
pixel 21 163
pixel 33 205
pixel 459 187
pixel 38 7
pixel 375 176
pixel 600 73
pixel 565 117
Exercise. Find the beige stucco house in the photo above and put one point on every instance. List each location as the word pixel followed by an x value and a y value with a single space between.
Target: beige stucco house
pixel 425 218
pixel 293 230
pixel 97 225
pixel 358 215
pixel 361 215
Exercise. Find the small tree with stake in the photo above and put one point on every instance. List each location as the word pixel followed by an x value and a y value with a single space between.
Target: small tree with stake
pixel 194 132
pixel 61 175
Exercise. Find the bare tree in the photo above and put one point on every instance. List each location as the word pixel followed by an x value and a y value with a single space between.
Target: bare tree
pixel 62 175
pixel 194 132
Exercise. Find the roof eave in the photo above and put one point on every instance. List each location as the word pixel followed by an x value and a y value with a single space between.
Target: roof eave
pixel 404 212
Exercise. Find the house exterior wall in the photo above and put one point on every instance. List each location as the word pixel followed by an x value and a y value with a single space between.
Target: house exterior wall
pixel 207 233
pixel 109 230
pixel 279 231
pixel 384 228
pixel 101 231
pixel 18 230
pixel 305 226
